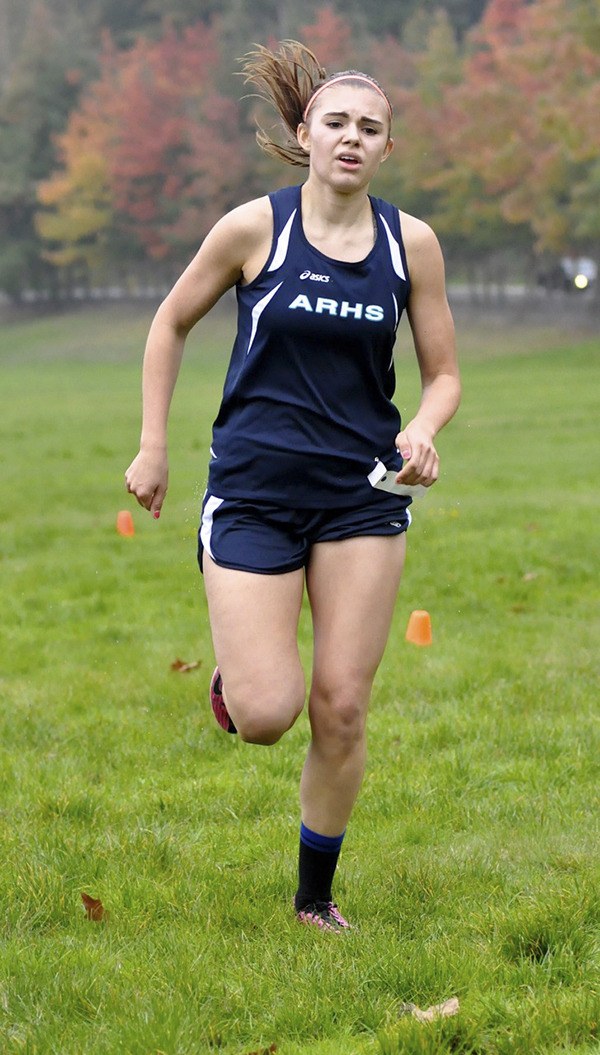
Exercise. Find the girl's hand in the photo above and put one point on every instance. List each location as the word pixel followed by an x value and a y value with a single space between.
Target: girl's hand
pixel 421 462
pixel 147 478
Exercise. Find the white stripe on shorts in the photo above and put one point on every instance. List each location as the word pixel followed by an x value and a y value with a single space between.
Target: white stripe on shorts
pixel 207 521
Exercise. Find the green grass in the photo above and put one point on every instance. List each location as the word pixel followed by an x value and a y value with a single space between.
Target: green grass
pixel 471 866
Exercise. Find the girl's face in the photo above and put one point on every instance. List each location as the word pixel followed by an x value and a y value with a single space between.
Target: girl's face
pixel 347 136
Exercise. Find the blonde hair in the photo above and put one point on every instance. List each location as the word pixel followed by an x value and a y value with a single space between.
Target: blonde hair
pixel 289 79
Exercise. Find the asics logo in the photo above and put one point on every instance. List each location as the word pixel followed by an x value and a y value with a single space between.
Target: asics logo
pixel 314 278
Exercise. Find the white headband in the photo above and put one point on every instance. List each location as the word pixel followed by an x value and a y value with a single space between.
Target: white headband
pixel 347 77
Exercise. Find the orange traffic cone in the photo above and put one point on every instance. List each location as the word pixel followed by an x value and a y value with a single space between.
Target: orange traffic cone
pixel 125 523
pixel 418 631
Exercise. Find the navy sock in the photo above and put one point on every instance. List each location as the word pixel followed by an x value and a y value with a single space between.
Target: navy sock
pixel 317 860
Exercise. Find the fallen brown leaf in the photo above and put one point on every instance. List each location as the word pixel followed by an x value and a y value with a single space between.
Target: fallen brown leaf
pixel 182 667
pixel 94 909
pixel 445 1010
pixel 265 1051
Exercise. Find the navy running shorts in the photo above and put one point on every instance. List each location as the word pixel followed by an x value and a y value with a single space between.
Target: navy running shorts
pixel 271 539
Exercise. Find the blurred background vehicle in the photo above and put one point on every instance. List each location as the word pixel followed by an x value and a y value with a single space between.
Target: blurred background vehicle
pixel 571 274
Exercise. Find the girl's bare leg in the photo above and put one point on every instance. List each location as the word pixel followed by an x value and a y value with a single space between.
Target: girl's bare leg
pixel 352 587
pixel 254 623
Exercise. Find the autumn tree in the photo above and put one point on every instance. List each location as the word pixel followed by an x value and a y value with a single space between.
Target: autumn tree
pixel 78 210
pixel 151 158
pixel 497 143
pixel 417 79
pixel 477 121
pixel 524 121
pixel 330 37
pixel 176 164
pixel 40 87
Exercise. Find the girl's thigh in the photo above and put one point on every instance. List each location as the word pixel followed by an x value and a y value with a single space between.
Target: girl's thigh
pixel 352 586
pixel 254 625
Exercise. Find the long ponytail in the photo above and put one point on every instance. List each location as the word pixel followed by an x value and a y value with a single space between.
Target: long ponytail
pixel 285 78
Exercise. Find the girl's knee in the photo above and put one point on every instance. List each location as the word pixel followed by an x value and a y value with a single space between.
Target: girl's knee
pixel 263 716
pixel 338 717
pixel 264 727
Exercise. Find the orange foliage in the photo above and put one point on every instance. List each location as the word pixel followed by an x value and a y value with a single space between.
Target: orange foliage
pixel 523 120
pixel 168 141
pixel 330 37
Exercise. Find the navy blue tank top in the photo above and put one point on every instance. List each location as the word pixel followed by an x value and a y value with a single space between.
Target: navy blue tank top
pixel 307 401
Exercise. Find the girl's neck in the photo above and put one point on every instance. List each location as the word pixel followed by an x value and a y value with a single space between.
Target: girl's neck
pixel 323 206
pixel 339 225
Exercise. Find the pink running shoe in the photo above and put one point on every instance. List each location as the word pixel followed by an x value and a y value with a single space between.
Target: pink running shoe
pixel 218 703
pixel 337 916
pixel 325 915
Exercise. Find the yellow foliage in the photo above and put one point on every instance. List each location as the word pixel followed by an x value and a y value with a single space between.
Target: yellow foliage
pixel 77 206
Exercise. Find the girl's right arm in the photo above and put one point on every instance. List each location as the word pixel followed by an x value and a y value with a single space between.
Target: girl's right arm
pixel 226 255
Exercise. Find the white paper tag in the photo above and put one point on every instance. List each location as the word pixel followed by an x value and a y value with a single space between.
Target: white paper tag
pixel 385 480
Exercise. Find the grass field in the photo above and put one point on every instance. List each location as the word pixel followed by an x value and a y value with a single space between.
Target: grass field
pixel 471 866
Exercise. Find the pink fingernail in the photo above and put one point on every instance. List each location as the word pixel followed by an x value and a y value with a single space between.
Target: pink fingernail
pixel 156 514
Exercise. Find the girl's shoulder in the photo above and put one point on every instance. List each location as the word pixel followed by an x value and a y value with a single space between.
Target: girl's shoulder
pixel 241 232
pixel 423 252
pixel 416 233
pixel 249 217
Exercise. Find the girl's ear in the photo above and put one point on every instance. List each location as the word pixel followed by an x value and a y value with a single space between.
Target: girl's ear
pixel 388 149
pixel 303 136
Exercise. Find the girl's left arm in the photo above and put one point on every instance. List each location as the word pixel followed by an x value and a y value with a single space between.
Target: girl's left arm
pixel 433 334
